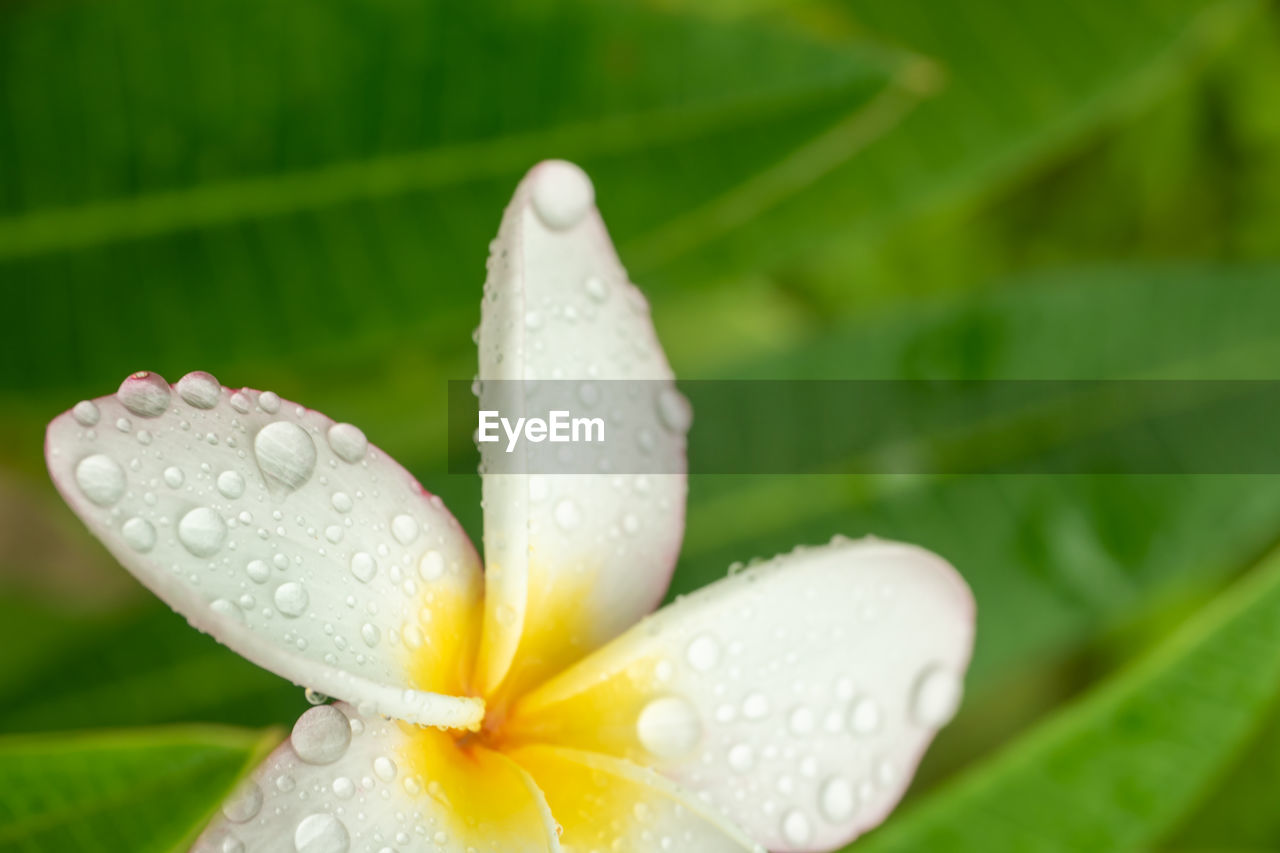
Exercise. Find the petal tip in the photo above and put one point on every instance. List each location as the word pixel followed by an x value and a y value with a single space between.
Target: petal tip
pixel 561 193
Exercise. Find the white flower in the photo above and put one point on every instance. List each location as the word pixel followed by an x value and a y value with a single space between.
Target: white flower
pixel 529 706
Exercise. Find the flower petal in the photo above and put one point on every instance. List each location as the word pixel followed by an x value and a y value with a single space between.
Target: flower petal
pixel 287 537
pixel 572 560
pixel 346 782
pixel 606 803
pixel 796 697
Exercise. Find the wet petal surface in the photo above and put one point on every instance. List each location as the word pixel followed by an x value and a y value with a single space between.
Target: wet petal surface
pixel 795 697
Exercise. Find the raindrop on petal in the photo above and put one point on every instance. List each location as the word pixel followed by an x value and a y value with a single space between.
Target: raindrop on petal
pixel 144 393
pixel 101 479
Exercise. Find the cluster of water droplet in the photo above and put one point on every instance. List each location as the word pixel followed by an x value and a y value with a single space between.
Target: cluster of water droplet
pixel 248 513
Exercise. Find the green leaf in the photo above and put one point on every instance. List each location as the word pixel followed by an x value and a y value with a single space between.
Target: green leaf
pixel 1116 770
pixel 143 790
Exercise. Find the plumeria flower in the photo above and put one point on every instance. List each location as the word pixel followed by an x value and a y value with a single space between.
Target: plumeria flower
pixel 530 705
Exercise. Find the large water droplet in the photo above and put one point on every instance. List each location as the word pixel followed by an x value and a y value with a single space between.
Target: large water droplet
pixel 244 805
pixel 384 768
pixel 101 479
pixel 703 653
pixel 321 833
pixel 404 528
pixel 144 393
pixel 199 389
pixel 269 402
pixel 285 453
pixel 258 571
pixel 669 727
pixel 291 599
pixel 937 696
pixel 86 413
pixel 173 477
pixel 202 531
pixel 864 716
pixel 836 799
pixel 562 194
pixel 139 534
pixel 321 735
pixel 230 484
pixel 796 828
pixel 363 566
pixel 348 442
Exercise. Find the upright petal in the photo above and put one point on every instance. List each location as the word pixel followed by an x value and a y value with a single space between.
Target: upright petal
pixel 346 782
pixel 286 536
pixel 796 697
pixel 606 803
pixel 572 560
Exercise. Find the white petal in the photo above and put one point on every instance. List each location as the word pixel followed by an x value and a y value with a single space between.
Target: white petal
pixel 573 560
pixel 606 803
pixel 796 697
pixel 386 786
pixel 289 538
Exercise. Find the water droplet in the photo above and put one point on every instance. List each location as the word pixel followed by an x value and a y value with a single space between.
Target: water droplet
pixel 144 393
pixel 703 653
pixel 173 477
pixel 801 721
pixel 321 833
pixel 755 706
pixel 363 566
pixel 864 716
pixel 796 828
pixel 836 800
pixel 225 607
pixel 202 531
pixel 384 768
pixel 562 194
pixel 431 567
pixel 240 402
pixel 199 389
pixel 532 319
pixel 86 413
pixel 370 634
pixel 333 533
pixel 404 528
pixel 341 502
pixel 139 534
pixel 258 571
pixel 269 402
pixel 291 599
pixel 101 479
pixel 244 805
pixel 321 735
pixel 741 757
pixel 669 727
pixel 344 788
pixel 567 514
pixel 285 453
pixel 348 442
pixel 595 288
pixel 937 695
pixel 674 410
pixel 230 484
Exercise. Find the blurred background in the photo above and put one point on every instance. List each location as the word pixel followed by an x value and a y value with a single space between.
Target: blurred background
pixel 299 196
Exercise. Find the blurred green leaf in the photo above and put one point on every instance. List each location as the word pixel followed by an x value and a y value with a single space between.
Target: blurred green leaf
pixel 142 791
pixel 1116 770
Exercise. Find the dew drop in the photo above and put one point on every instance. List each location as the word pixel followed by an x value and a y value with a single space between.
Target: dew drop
pixel 348 442
pixel 431 566
pixel 567 514
pixel 837 800
pixel 341 502
pixel 937 696
pixel 258 571
pixel 202 531
pixel 674 410
pixel 240 402
pixel 344 788
pixel 703 653
pixel 144 393
pixel 370 634
pixel 796 828
pixel 801 721
pixel 404 528
pixel 363 566
pixel 173 477
pixel 321 735
pixel 101 479
pixel 86 413
pixel 562 194
pixel 291 599
pixel 668 727
pixel 741 758
pixel 285 453
pixel 755 706
pixel 384 768
pixel 200 390
pixel 864 716
pixel 139 534
pixel 595 288
pixel 228 608
pixel 269 402
pixel 321 833
pixel 244 805
pixel 230 484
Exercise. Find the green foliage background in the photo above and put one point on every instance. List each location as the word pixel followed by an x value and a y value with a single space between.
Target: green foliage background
pixel 299 196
